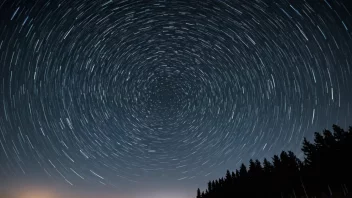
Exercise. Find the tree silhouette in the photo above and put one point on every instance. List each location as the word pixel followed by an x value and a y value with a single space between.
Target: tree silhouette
pixel 198 193
pixel 326 171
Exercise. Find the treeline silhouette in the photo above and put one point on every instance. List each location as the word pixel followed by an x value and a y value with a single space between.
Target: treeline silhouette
pixel 326 171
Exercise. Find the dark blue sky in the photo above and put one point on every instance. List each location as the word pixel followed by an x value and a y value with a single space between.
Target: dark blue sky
pixel 155 98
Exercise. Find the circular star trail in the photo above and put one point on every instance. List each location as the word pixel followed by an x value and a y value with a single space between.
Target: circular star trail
pixel 107 91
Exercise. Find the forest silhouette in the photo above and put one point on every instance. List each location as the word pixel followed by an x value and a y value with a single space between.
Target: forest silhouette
pixel 326 171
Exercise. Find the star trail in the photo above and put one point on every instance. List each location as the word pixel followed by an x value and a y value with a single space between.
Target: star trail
pixel 142 96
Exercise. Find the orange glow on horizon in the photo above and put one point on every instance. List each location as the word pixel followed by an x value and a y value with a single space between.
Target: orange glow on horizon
pixel 35 193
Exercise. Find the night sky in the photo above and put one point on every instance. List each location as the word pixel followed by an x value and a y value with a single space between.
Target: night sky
pixel 141 98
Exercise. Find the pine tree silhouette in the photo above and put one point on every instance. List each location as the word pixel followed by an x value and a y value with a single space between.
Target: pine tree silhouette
pixel 198 193
pixel 326 171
